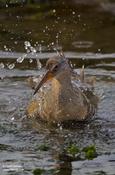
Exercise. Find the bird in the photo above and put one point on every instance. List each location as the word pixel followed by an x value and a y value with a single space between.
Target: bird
pixel 58 97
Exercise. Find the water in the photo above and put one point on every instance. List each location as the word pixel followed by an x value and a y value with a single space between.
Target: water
pixel 87 37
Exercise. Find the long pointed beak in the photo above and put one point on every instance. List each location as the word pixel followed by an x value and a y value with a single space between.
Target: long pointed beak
pixel 46 77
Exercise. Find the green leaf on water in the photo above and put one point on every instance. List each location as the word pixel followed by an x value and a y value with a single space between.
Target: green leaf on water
pixel 90 152
pixel 73 149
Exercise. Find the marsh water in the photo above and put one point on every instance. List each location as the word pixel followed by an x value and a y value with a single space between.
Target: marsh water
pixel 29 34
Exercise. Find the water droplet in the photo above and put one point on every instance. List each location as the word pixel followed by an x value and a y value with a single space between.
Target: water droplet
pixel 12 118
pixel 29 33
pixel 16 42
pixel 54 10
pixel 71 64
pixel 61 128
pixel 11 66
pixel 40 48
pixel 52 43
pixel 2 66
pixel 58 18
pixel 5 47
pixel 39 65
pixel 27 43
pixel 17 17
pixel 70 99
pixel 79 16
pixel 30 60
pixel 27 50
pixel 46 27
pixel 32 49
pixel 20 59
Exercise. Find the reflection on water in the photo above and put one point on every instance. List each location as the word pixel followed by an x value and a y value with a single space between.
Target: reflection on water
pixel 27 40
pixel 60 24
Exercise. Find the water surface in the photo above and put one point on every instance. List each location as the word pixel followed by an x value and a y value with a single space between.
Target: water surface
pixel 86 34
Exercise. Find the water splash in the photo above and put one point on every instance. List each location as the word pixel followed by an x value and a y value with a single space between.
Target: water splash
pixel 40 48
pixel 30 60
pixel 27 44
pixel 2 65
pixel 11 66
pixel 32 49
pixel 39 65
pixel 21 59
pixel 5 47
pixel 29 48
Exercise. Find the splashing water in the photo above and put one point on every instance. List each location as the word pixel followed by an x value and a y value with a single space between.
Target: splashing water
pixel 27 44
pixel 30 60
pixel 32 49
pixel 11 66
pixel 21 59
pixel 2 66
pixel 29 48
pixel 39 65
pixel 40 48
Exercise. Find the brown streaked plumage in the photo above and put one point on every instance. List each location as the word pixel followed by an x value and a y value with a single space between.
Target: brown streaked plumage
pixel 62 99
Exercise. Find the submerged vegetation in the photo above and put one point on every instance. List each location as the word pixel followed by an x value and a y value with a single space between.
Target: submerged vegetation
pixel 38 171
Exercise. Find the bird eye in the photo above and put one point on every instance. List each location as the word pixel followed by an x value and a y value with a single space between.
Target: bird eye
pixel 55 68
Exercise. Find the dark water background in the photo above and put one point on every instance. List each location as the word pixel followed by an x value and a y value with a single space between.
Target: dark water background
pixel 86 32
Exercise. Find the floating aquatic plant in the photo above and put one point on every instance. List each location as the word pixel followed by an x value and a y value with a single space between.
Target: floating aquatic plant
pixel 90 152
pixel 76 153
pixel 73 150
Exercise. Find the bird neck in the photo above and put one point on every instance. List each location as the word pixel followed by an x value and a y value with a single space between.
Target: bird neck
pixel 61 83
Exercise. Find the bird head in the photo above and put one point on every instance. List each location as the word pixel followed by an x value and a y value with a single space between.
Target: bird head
pixel 55 66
